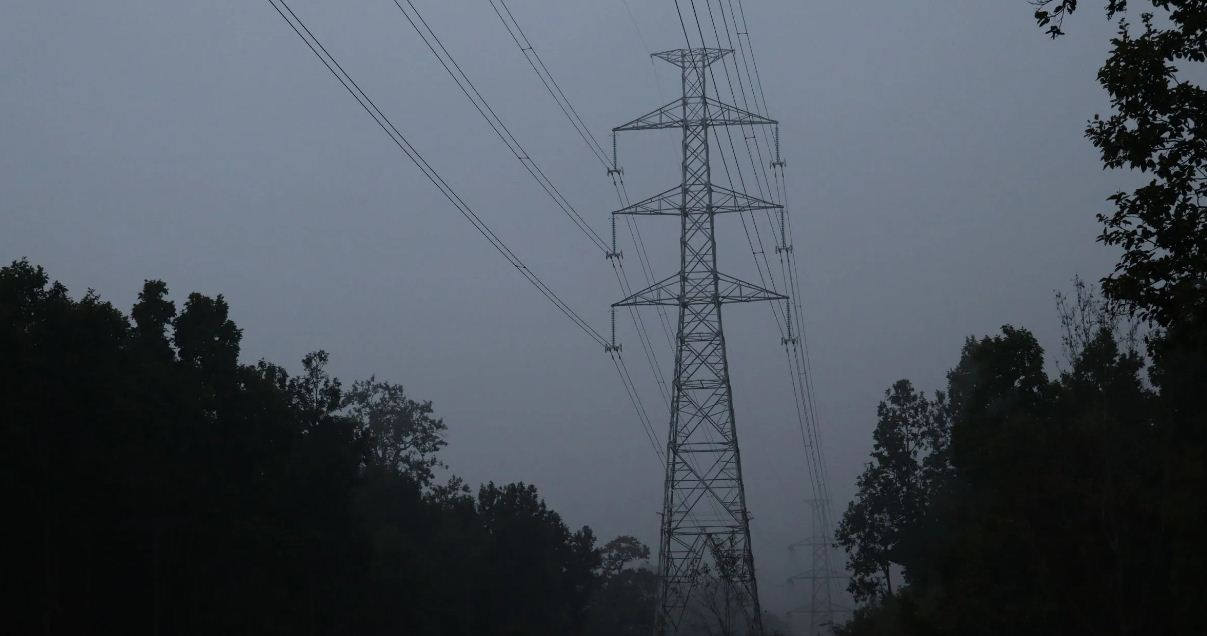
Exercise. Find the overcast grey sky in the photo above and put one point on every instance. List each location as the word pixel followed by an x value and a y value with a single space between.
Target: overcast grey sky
pixel 940 187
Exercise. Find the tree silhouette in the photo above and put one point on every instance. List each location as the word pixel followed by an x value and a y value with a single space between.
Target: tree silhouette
pixel 882 524
pixel 161 486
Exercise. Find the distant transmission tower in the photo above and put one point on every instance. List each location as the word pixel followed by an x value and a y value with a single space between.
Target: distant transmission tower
pixel 821 609
pixel 705 563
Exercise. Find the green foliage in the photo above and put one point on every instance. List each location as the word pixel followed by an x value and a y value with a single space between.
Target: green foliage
pixel 1158 105
pixel 204 336
pixel 1051 13
pixel 909 458
pixel 1064 509
pixel 402 434
pixel 882 617
pixel 1074 505
pixel 619 553
pixel 157 485
pixel 626 597
pixel 523 533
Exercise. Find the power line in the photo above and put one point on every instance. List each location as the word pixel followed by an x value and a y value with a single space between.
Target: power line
pixel 801 386
pixel 551 86
pixel 299 27
pixel 631 390
pixel 555 91
pixel 436 46
pixel 482 105
pixel 644 47
pixel 706 522
pixel 795 349
pixel 797 359
pixel 333 66
pixel 683 25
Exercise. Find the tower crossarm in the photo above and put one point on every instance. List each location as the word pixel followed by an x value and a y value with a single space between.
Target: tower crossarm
pixel 724 200
pixel 733 290
pixel 692 58
pixel 713 113
pixel 705 540
pixel 668 292
pixel 809 575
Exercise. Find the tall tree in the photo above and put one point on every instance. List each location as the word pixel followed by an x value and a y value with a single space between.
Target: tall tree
pixel 881 526
pixel 1156 87
pixel 1054 514
pixel 624 602
pixel 534 555
pixel 619 553
pixel 1159 104
pixel 157 485
pixel 402 433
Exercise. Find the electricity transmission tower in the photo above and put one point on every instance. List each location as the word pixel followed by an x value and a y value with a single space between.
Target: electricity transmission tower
pixel 820 575
pixel 705 563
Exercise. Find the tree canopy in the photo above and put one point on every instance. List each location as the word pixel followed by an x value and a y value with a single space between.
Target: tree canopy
pixel 161 486
pixel 1074 504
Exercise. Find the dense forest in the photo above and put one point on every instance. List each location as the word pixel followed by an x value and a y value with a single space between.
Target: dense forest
pixel 161 487
pixel 1013 502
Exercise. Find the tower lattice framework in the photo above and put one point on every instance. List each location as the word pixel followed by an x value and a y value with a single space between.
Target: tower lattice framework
pixel 821 610
pixel 705 563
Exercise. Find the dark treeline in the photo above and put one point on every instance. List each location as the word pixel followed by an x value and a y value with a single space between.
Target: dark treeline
pixel 158 486
pixel 1018 503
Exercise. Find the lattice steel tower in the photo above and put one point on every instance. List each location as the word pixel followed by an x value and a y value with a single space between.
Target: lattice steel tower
pixel 821 610
pixel 705 564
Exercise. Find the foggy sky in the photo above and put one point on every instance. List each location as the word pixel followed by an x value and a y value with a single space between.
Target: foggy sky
pixel 939 182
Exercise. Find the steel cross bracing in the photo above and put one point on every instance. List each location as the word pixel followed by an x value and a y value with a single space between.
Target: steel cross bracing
pixel 705 560
pixel 794 341
pixel 723 200
pixel 821 609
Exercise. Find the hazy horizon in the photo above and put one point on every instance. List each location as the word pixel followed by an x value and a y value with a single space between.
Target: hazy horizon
pixel 939 181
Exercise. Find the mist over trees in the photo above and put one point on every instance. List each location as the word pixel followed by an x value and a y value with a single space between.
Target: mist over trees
pixel 1014 502
pixel 161 487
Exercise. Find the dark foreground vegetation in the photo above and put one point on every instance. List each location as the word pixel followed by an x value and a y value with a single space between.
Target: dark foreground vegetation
pixel 1018 503
pixel 161 487
pixel 156 485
